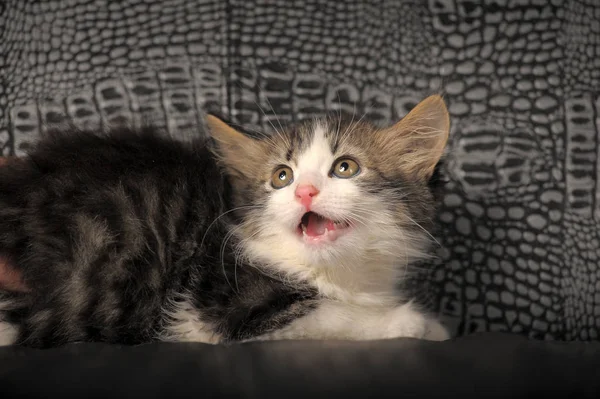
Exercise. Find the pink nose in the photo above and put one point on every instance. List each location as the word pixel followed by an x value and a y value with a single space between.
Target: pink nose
pixel 305 194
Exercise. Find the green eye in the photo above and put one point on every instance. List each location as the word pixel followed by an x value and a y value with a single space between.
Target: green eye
pixel 282 177
pixel 345 168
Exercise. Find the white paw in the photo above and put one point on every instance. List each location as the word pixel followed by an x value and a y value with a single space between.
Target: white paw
pixel 436 331
pixel 404 321
pixel 8 333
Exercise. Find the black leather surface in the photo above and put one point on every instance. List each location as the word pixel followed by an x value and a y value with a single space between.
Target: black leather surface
pixel 480 365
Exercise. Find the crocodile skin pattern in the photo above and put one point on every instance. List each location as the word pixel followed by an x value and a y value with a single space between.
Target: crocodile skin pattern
pixel 519 245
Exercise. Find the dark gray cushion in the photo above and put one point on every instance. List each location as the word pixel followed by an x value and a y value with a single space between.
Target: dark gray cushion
pixel 478 366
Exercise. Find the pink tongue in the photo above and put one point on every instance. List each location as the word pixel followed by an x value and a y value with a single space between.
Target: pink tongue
pixel 316 225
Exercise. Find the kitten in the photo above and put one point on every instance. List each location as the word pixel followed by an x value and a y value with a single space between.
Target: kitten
pixel 131 237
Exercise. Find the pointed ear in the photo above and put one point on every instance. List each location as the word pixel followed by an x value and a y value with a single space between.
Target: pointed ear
pixel 238 152
pixel 421 136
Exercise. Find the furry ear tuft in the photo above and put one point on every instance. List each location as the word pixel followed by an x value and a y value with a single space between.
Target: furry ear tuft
pixel 235 150
pixel 420 137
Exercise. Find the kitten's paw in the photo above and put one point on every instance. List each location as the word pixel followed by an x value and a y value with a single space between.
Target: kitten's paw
pixel 404 321
pixel 436 331
pixel 8 333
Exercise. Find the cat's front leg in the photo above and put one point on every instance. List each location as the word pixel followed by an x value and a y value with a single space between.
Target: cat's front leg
pixel 8 333
pixel 406 321
pixel 436 331
pixel 341 320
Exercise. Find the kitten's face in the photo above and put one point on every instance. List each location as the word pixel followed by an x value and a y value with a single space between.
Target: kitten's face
pixel 333 192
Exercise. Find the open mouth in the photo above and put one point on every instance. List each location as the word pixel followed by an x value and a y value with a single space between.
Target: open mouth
pixel 315 228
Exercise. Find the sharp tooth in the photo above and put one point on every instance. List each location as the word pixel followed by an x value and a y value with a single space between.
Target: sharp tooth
pixel 303 228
